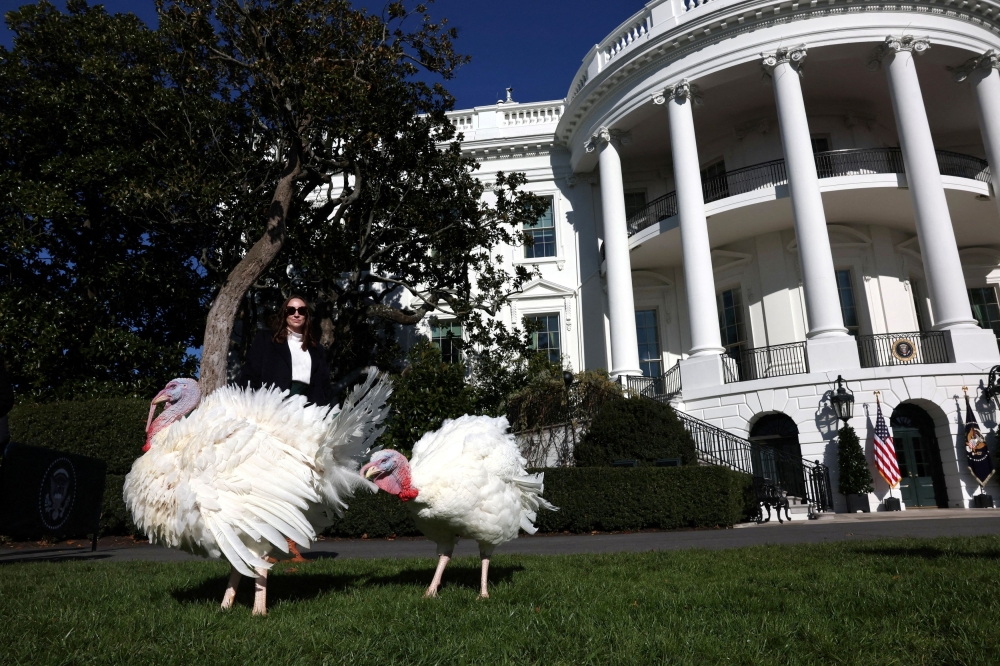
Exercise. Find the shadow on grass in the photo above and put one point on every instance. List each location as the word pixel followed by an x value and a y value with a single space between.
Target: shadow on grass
pixel 454 575
pixel 67 557
pixel 282 586
pixel 925 552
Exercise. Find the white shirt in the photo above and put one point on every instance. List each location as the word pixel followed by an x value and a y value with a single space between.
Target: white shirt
pixel 301 360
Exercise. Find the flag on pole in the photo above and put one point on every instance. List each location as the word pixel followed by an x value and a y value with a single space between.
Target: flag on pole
pixel 980 463
pixel 885 451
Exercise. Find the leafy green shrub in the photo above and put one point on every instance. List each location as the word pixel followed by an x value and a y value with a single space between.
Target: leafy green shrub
pixel 426 393
pixel 617 498
pixel 635 429
pixel 595 498
pixel 546 401
pixel 112 429
pixel 855 479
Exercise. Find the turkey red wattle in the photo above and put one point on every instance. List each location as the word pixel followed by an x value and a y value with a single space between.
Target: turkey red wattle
pixel 390 471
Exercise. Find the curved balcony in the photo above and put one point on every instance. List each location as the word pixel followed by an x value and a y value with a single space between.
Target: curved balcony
pixel 829 164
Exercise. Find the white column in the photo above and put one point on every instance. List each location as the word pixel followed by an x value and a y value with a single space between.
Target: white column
pixel 982 72
pixel 938 247
pixel 621 305
pixel 816 259
pixel 699 279
pixel 943 268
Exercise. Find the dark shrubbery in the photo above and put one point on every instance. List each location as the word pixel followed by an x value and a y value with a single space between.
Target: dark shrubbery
pixel 613 499
pixel 596 498
pixel 855 479
pixel 546 401
pixel 635 429
pixel 112 429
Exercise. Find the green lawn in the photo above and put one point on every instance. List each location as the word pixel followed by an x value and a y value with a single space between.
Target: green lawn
pixel 883 602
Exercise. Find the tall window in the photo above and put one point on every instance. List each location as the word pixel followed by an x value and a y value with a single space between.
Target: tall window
pixel 444 334
pixel 731 327
pixel 649 343
pixel 634 202
pixel 543 233
pixel 921 325
pixel 545 337
pixel 985 309
pixel 848 306
pixel 714 184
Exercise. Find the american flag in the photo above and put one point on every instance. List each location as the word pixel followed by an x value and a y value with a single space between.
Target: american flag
pixel 885 452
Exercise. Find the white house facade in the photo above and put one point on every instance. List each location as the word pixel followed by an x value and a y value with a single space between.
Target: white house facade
pixel 752 198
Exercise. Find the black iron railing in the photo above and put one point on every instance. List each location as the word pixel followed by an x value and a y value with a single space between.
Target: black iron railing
pixel 902 348
pixel 795 476
pixel 661 388
pixel 829 164
pixel 744 364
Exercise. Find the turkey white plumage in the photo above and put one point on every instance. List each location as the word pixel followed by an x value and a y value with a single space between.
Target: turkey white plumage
pixel 465 480
pixel 248 470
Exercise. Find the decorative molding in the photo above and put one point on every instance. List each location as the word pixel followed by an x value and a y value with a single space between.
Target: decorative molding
pixel 737 260
pixel 604 135
pixel 895 45
pixel 987 61
pixel 793 55
pixel 572 180
pixel 568 307
pixel 683 89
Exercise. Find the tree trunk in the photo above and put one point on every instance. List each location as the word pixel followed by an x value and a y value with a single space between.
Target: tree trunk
pixel 219 326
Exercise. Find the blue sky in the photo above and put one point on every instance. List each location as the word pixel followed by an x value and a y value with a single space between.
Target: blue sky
pixel 535 46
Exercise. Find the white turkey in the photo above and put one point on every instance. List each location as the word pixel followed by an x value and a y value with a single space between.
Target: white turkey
pixel 466 480
pixel 248 470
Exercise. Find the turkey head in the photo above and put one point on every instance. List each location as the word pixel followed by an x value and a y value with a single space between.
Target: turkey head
pixel 180 396
pixel 390 471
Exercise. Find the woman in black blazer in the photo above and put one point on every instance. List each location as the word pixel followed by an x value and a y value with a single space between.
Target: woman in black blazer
pixel 289 357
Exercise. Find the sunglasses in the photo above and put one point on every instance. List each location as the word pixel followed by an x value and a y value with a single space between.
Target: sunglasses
pixel 304 311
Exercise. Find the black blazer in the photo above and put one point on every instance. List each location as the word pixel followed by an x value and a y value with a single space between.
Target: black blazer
pixel 270 363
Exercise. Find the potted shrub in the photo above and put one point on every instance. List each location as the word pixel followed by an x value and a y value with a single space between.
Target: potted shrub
pixel 855 479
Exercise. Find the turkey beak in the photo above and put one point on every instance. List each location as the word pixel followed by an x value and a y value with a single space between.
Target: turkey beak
pixel 162 396
pixel 372 471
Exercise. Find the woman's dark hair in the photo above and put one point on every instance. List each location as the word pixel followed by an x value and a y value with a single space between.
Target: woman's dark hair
pixel 281 327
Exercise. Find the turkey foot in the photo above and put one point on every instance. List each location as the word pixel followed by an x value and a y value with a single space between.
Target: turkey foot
pixel 432 591
pixel 260 593
pixel 294 550
pixel 483 594
pixel 230 595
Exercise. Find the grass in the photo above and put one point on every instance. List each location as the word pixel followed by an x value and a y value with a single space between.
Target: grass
pixel 874 602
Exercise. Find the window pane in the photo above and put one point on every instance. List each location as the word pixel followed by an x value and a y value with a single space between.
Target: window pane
pixel 731 319
pixel 848 307
pixel 444 334
pixel 985 308
pixel 649 343
pixel 543 233
pixel 634 202
pixel 546 337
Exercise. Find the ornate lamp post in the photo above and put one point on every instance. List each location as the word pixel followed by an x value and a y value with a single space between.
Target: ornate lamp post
pixel 992 389
pixel 843 401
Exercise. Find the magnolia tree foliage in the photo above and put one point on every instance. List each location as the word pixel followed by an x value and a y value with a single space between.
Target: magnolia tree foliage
pixel 152 175
pixel 370 195
pixel 98 292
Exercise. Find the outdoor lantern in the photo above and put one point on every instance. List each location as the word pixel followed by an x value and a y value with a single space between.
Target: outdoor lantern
pixel 992 389
pixel 843 401
pixel 567 378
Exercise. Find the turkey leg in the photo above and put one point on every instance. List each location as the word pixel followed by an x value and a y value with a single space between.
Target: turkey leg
pixel 260 593
pixel 230 595
pixel 483 594
pixel 432 591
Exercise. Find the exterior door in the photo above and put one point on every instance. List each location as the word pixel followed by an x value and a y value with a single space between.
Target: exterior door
pixel 914 458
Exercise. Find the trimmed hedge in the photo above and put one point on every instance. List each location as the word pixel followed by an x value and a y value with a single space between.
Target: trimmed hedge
pixel 112 429
pixel 635 429
pixel 589 498
pixel 594 498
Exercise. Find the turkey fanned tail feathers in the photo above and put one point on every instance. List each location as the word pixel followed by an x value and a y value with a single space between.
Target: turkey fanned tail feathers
pixel 249 468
